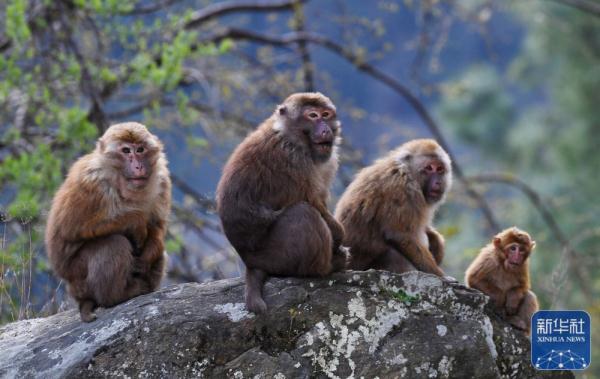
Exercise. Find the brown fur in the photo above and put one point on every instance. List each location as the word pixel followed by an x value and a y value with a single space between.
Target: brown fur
pixel 507 285
pixel 272 198
pixel 387 216
pixel 105 236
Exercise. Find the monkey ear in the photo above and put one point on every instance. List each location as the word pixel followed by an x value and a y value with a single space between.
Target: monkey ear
pixel 532 245
pixel 497 242
pixel 282 110
pixel 100 145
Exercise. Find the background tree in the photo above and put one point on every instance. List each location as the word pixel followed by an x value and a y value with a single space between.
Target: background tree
pixel 510 89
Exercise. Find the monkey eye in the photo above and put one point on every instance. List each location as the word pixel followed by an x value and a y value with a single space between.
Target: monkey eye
pixel 440 170
pixel 514 248
pixel 126 150
pixel 326 115
pixel 313 115
pixel 140 149
pixel 429 168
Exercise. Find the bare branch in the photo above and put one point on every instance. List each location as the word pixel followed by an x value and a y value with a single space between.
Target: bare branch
pixel 358 62
pixel 159 5
pixel 5 44
pixel 226 7
pixel 307 68
pixel 203 201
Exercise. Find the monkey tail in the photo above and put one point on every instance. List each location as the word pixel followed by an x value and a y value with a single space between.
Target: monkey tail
pixel 255 280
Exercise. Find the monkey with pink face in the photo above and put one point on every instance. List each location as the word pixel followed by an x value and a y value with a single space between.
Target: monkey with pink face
pixel 108 220
pixel 272 196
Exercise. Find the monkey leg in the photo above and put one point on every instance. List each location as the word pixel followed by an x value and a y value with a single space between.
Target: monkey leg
pixel 393 261
pixel 522 319
pixel 107 262
pixel 150 274
pixel 436 244
pixel 299 244
pixel 255 279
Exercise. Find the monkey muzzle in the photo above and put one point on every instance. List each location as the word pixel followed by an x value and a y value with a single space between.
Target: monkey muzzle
pixel 138 182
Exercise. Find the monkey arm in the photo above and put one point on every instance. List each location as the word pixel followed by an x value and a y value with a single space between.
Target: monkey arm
pixel 490 289
pixel 154 245
pixel 337 230
pixel 514 297
pixel 417 254
pixel 436 244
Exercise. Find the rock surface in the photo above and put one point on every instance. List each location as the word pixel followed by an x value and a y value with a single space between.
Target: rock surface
pixel 355 324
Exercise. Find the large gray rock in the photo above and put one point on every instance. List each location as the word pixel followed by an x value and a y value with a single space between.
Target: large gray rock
pixel 356 324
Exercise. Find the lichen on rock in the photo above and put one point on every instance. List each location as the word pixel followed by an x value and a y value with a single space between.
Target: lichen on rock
pixel 349 325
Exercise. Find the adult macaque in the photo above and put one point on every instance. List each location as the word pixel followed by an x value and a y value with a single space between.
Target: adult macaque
pixel 107 224
pixel 388 209
pixel 272 197
pixel 501 271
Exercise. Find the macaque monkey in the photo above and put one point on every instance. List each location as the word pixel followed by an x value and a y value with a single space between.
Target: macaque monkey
pixel 272 197
pixel 501 271
pixel 106 228
pixel 388 209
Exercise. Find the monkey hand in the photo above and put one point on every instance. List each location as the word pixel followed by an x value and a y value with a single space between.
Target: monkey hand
pixel 517 322
pixel 139 267
pixel 136 246
pixel 513 300
pixel 340 258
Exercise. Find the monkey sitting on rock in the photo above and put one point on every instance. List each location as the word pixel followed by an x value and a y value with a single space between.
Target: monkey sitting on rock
pixel 106 227
pixel 272 196
pixel 387 210
pixel 501 271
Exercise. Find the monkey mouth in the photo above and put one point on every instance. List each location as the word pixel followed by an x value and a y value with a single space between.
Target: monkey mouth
pixel 435 193
pixel 138 182
pixel 324 146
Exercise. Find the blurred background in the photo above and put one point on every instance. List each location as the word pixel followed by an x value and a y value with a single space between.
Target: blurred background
pixel 510 88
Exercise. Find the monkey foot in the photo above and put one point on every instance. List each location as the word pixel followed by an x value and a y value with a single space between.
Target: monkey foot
pixel 87 316
pixel 86 310
pixel 256 305
pixel 340 259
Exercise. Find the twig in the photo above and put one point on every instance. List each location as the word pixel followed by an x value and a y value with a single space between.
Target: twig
pixel 307 68
pixel 203 201
pixel 226 7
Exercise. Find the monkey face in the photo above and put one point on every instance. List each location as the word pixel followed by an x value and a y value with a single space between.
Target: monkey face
pixel 136 164
pixel 319 126
pixel 515 254
pixel 309 121
pixel 132 152
pixel 433 181
pixel 514 247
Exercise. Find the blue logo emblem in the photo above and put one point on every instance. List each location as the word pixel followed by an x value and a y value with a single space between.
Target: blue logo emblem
pixel 560 340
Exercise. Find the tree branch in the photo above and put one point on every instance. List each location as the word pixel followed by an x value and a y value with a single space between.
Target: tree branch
pixel 203 201
pixel 226 7
pixel 361 65
pixel 307 68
